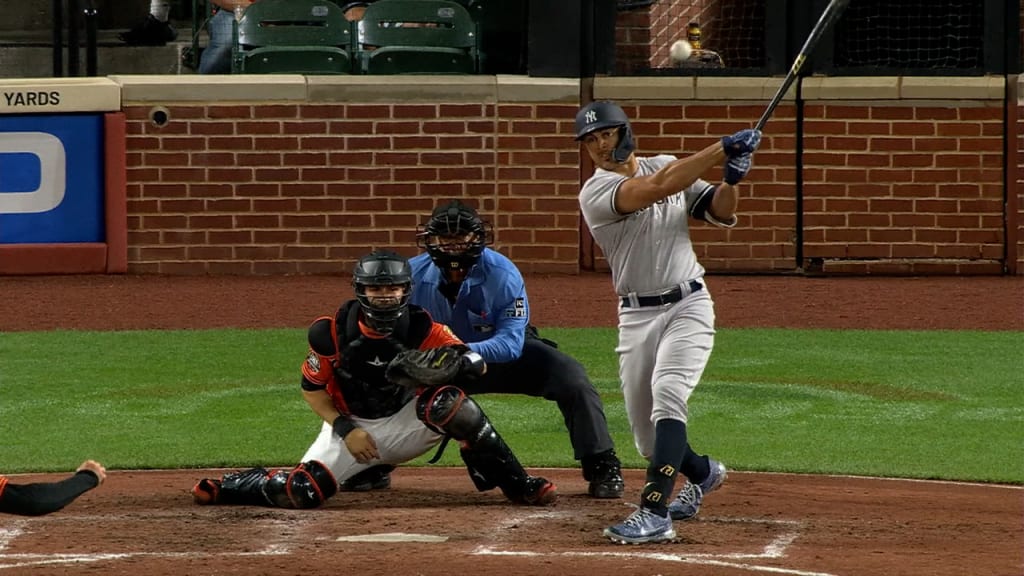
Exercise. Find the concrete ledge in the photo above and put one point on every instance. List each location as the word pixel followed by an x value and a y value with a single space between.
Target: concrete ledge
pixel 427 88
pixel 851 88
pixel 53 95
pixel 526 89
pixel 953 88
pixel 212 88
pixel 722 88
pixel 632 88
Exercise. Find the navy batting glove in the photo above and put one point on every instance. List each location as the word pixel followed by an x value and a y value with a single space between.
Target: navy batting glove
pixel 736 168
pixel 742 142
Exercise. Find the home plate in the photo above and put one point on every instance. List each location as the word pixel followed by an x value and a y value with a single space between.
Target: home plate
pixel 393 537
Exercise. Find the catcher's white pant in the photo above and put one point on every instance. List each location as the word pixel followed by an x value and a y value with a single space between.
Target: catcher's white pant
pixel 400 438
pixel 663 351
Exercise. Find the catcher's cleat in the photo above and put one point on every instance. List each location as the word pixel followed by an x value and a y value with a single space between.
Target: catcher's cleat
pixel 686 505
pixel 206 491
pixel 642 527
pixel 373 478
pixel 537 492
pixel 604 472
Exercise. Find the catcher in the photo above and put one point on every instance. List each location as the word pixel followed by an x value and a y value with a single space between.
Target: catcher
pixel 383 376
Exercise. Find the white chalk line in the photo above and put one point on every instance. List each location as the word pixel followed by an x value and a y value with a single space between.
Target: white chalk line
pixel 774 549
pixel 24 560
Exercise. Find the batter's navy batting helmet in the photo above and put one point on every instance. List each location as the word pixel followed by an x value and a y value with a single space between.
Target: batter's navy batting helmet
pixel 455 236
pixel 600 115
pixel 382 268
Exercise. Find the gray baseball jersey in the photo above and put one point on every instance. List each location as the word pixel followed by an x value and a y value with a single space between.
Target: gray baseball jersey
pixel 649 251
pixel 662 349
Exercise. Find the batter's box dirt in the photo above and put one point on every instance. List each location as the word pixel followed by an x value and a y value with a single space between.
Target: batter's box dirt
pixel 146 523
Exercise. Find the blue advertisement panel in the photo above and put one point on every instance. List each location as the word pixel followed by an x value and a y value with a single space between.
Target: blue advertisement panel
pixel 51 178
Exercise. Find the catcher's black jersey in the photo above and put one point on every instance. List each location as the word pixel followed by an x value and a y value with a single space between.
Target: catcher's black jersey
pixel 349 360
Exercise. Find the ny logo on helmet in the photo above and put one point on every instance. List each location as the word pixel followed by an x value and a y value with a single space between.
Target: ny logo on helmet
pixel 591 116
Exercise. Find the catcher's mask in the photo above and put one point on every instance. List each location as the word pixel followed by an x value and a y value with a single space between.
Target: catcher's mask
pixel 455 237
pixel 600 115
pixel 382 268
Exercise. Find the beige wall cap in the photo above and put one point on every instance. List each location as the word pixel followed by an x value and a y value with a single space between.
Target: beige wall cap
pixel 212 88
pixel 402 88
pixel 35 95
pixel 624 88
pixel 851 88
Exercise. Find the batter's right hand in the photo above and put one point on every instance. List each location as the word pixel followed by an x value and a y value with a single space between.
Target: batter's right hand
pixel 736 169
pixel 361 445
pixel 742 142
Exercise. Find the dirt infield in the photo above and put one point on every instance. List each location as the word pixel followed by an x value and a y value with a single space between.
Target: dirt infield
pixel 145 522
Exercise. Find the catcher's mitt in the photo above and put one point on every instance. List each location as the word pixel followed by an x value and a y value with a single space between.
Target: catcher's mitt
pixel 414 368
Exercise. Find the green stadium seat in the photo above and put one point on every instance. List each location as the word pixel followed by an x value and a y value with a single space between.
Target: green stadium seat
pixel 417 37
pixel 292 37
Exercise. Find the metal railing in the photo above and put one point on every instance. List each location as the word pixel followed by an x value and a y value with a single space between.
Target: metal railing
pixel 78 17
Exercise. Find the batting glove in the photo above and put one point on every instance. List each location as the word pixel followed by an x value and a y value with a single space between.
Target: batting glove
pixel 742 142
pixel 736 168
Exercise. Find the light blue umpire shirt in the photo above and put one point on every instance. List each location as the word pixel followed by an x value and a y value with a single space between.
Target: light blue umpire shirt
pixel 491 310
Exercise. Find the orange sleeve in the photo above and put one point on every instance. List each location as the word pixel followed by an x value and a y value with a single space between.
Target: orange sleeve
pixel 3 484
pixel 317 368
pixel 440 335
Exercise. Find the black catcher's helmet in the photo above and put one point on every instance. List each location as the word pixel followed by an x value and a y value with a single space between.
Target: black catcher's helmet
pixel 455 236
pixel 382 268
pixel 600 115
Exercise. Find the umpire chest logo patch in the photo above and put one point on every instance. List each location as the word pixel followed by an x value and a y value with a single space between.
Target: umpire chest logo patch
pixel 518 309
pixel 313 361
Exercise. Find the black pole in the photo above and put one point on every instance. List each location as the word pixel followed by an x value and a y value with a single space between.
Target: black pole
pixel 58 38
pixel 73 63
pixel 90 37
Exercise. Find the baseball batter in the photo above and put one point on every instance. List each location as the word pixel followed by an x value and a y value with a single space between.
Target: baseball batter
pixel 638 211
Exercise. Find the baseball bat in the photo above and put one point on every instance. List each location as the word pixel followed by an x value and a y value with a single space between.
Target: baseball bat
pixel 827 19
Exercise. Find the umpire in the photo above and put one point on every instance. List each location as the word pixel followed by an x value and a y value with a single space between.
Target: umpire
pixel 481 296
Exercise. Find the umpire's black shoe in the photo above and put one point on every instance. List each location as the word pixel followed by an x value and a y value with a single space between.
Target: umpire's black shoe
pixel 373 478
pixel 604 472
pixel 149 32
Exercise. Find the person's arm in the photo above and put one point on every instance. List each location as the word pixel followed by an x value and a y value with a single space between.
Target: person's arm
pixel 43 498
pixel 510 319
pixel 321 403
pixel 725 202
pixel 641 191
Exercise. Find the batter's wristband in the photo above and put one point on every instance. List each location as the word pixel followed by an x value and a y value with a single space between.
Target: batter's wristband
pixel 342 426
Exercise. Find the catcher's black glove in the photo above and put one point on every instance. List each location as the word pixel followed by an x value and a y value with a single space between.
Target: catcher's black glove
pixel 436 366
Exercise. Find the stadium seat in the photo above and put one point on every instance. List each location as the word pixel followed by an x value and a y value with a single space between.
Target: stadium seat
pixel 417 37
pixel 292 37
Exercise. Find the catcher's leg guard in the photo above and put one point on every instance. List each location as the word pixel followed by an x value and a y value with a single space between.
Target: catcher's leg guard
pixel 244 487
pixel 308 485
pixel 490 461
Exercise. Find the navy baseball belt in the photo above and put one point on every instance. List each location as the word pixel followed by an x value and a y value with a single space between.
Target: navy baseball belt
pixel 671 297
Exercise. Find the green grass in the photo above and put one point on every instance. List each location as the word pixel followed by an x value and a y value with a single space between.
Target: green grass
pixel 946 405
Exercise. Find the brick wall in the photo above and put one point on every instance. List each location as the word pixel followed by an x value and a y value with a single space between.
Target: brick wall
pixel 891 185
pixel 904 189
pixel 298 188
